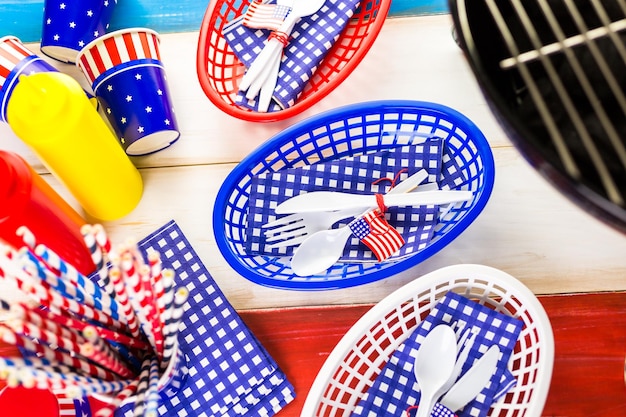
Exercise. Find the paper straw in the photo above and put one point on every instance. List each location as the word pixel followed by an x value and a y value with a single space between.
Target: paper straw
pixel 52 355
pixel 98 257
pixel 108 410
pixel 86 290
pixel 20 278
pixel 74 385
pixel 54 300
pixel 152 396
pixel 102 238
pixel 172 325
pixel 100 352
pixel 144 377
pixel 122 298
pixel 33 319
pixel 70 344
pixel 27 236
pixel 132 267
pixel 93 297
pixel 151 311
pixel 105 333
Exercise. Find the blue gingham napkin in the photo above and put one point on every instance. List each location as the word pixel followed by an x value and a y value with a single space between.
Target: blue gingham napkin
pixel 230 373
pixel 312 38
pixel 357 175
pixel 492 327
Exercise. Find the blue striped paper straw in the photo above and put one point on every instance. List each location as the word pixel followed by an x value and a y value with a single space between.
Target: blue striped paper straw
pixel 104 300
pixel 152 400
pixel 172 324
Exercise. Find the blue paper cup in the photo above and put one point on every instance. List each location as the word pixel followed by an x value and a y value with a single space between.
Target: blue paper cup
pixel 69 25
pixel 16 60
pixel 129 80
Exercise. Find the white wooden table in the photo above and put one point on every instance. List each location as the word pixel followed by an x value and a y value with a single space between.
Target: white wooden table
pixel 527 229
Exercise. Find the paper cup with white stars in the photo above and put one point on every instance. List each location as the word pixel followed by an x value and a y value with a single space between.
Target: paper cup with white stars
pixel 69 25
pixel 128 78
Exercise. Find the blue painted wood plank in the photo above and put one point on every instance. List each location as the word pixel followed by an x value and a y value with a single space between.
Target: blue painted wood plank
pixel 24 18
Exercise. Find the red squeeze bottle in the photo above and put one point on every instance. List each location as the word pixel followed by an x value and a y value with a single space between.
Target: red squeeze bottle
pixel 28 200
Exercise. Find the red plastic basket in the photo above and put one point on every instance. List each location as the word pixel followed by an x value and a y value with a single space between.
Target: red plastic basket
pixel 219 70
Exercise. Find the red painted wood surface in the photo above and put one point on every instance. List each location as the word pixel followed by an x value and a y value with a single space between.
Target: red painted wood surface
pixel 590 345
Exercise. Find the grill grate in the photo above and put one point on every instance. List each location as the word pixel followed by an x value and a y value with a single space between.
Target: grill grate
pixel 556 69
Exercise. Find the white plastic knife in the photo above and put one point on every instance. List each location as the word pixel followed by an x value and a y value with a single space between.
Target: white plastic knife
pixel 331 200
pixel 473 381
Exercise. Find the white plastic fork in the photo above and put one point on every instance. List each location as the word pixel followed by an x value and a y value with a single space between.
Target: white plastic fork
pixel 295 228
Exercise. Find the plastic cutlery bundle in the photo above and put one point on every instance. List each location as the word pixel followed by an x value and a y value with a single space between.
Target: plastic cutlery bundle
pixel 263 73
pixel 321 249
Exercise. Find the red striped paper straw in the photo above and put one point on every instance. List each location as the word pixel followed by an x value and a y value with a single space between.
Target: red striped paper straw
pixel 100 352
pixel 70 343
pixel 105 333
pixel 79 287
pixel 150 309
pixel 31 318
pixel 53 300
pixel 92 293
pixel 22 280
pixel 108 410
pixel 101 238
pixel 98 258
pixel 43 351
pixel 27 236
pixel 62 378
pixel 122 297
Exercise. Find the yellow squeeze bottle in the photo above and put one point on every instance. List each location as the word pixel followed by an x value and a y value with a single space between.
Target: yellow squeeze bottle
pixel 50 112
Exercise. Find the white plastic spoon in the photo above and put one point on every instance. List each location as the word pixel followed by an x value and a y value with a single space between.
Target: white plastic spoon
pixel 433 365
pixel 320 251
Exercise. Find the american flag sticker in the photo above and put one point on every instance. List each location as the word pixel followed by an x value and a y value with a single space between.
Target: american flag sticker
pixel 265 16
pixel 374 231
pixel 11 53
pixel 117 48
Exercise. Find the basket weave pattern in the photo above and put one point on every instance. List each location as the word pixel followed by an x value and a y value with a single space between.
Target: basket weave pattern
pixel 363 352
pixel 352 131
pixel 219 70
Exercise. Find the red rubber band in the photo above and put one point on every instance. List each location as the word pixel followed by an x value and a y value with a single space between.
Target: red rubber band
pixel 380 200
pixel 281 37
pixel 392 180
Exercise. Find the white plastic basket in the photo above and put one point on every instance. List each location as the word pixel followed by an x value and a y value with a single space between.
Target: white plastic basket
pixel 361 354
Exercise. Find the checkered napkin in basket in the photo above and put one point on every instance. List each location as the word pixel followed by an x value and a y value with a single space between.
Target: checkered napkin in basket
pixel 357 175
pixel 396 389
pixel 230 373
pixel 312 38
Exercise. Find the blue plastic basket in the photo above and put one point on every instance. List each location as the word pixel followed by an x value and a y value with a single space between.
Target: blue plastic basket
pixel 352 131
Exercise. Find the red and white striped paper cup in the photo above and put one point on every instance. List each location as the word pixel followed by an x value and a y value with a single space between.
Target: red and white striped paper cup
pixel 127 76
pixel 16 59
pixel 116 49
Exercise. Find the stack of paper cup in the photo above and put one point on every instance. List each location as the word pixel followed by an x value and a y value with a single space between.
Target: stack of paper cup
pixel 127 76
pixel 70 25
